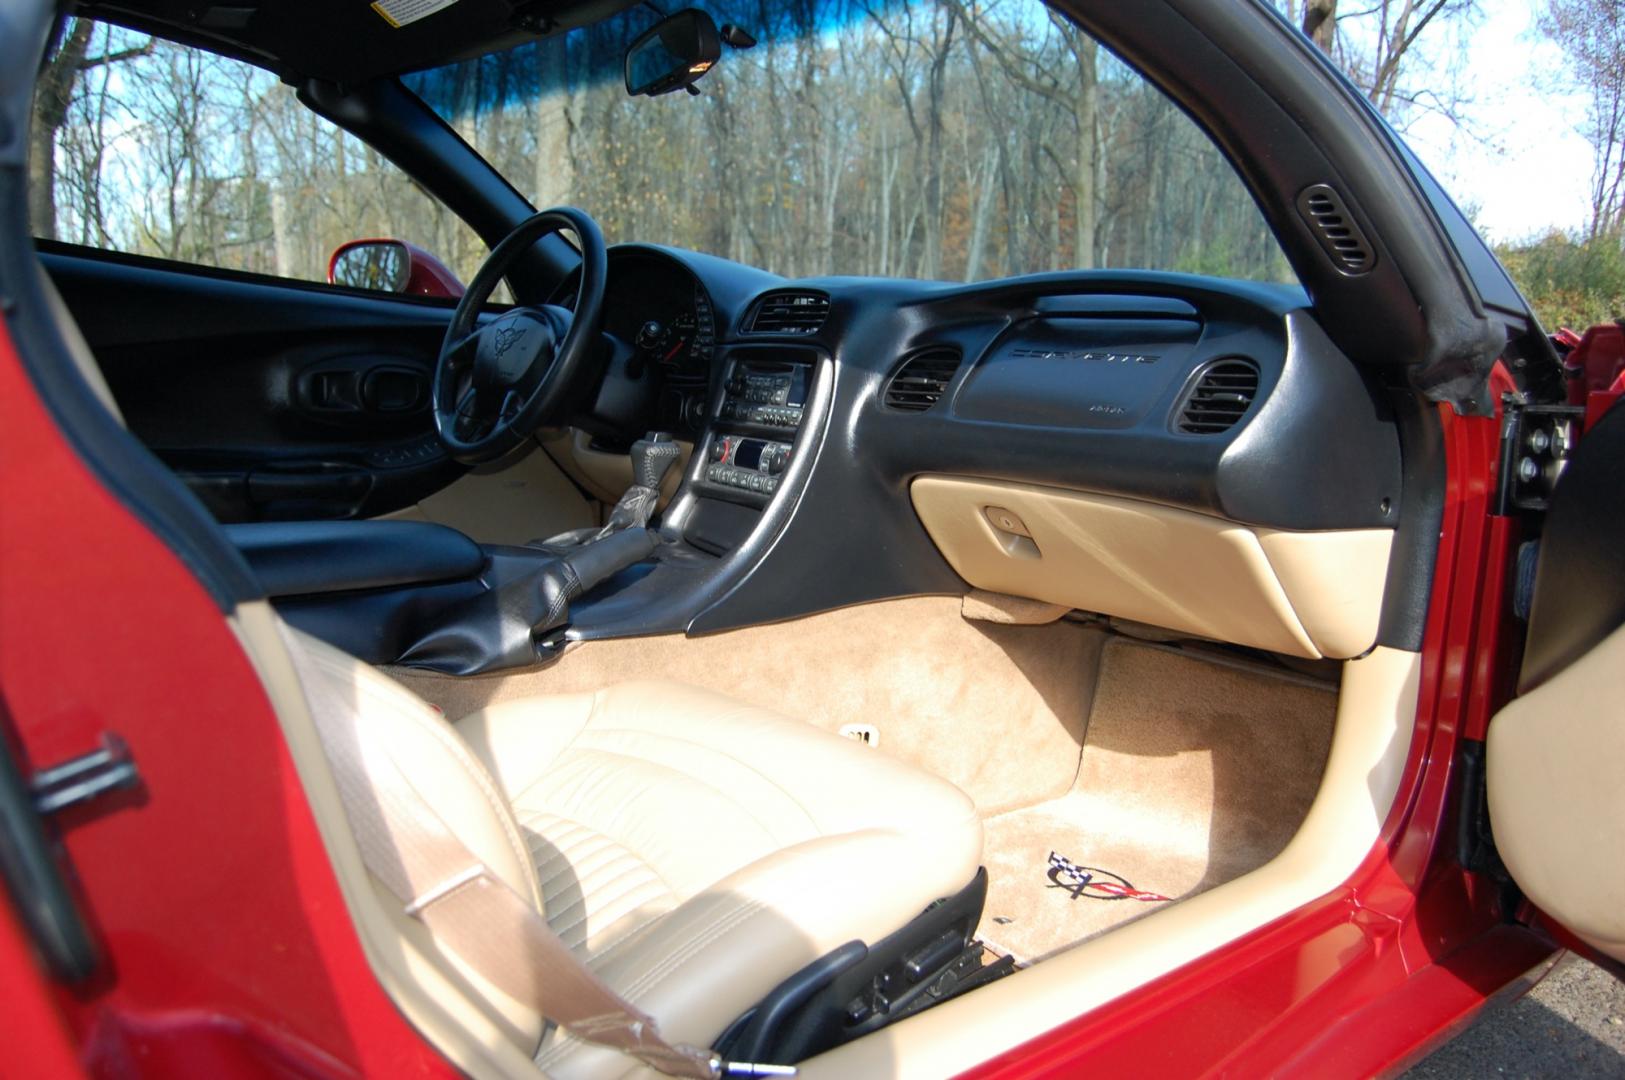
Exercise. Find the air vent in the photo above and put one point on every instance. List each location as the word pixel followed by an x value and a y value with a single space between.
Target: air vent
pixel 1334 227
pixel 1220 397
pixel 922 380
pixel 790 313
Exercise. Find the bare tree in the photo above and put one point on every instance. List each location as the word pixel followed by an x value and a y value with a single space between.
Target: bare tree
pixel 1070 86
pixel 1398 52
pixel 1320 22
pixel 52 95
pixel 942 138
pixel 1592 35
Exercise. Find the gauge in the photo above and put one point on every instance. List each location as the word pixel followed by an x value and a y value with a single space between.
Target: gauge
pixel 705 330
pixel 677 340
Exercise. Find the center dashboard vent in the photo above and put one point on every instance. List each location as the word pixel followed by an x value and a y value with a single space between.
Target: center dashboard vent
pixel 1219 398
pixel 922 380
pixel 789 313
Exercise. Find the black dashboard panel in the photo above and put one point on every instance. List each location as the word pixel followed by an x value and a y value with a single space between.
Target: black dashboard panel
pixel 1066 371
pixel 1105 424
pixel 668 306
pixel 797 498
pixel 1065 380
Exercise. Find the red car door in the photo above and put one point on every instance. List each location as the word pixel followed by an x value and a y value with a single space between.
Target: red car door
pixel 1556 789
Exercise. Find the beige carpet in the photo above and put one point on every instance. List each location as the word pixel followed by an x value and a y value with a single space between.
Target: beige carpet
pixel 1192 774
pixel 996 709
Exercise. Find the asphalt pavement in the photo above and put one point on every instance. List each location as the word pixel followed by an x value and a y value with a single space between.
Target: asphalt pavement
pixel 1572 1025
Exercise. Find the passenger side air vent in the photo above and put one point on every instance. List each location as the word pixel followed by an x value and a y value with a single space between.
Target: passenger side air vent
pixel 1219 397
pixel 790 313
pixel 1334 227
pixel 922 380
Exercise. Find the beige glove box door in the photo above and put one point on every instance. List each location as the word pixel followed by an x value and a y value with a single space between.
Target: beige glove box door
pixel 1311 594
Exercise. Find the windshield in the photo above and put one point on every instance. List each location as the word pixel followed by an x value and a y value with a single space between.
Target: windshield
pixel 917 139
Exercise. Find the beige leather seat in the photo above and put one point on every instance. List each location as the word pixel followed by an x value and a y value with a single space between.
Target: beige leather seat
pixel 695 851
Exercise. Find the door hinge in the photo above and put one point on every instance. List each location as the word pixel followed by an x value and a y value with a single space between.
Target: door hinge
pixel 1536 444
pixel 80 780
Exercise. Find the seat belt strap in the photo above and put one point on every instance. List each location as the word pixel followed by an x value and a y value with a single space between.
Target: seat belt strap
pixel 409 848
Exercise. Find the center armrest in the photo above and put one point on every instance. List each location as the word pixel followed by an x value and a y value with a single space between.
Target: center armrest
pixel 301 558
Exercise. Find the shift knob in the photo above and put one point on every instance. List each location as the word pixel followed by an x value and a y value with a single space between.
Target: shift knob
pixel 652 457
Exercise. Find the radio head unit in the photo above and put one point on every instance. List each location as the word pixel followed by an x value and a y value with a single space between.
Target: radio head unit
pixel 765 392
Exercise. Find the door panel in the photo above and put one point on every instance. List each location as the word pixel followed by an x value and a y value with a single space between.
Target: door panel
pixel 1555 754
pixel 1557 795
pixel 273 400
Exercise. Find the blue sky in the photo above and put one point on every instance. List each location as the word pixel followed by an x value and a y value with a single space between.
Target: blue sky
pixel 1520 165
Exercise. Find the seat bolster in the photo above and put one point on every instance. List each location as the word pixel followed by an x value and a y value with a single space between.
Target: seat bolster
pixel 519 740
pixel 700 966
pixel 393 724
pixel 830 784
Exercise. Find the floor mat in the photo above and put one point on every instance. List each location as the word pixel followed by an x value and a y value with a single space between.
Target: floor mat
pixel 1192 773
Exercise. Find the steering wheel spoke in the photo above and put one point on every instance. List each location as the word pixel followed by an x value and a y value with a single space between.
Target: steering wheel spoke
pixel 459 354
pixel 474 421
pixel 512 402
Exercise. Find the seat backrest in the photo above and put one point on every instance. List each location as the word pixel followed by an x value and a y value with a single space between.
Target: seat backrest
pixel 391 728
pixel 479 1026
pixel 79 349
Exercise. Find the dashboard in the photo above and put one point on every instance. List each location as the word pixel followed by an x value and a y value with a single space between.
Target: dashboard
pixel 856 439
pixel 662 309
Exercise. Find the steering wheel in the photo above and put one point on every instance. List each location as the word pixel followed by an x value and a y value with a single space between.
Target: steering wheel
pixel 495 383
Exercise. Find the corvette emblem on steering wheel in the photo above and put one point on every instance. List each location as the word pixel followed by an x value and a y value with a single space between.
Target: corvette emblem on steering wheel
pixel 506 337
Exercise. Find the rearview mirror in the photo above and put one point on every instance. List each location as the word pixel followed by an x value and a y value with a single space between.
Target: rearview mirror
pixel 391 266
pixel 672 54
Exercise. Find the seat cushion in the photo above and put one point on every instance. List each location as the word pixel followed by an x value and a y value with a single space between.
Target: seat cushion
pixel 698 851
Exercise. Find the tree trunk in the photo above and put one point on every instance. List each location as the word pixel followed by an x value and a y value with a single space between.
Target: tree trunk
pixel 555 172
pixel 52 95
pixel 1083 177
pixel 279 231
pixel 1320 23
pixel 988 184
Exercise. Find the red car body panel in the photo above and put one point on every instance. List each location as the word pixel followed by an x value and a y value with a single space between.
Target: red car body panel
pixel 230 950
pixel 1411 948
pixel 425 274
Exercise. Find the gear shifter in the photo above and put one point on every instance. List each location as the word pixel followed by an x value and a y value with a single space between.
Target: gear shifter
pixel 652 458
pixel 499 628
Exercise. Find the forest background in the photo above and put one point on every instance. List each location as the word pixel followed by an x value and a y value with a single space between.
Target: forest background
pixel 951 139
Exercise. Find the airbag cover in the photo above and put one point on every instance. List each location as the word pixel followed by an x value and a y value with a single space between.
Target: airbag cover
pixel 1078 373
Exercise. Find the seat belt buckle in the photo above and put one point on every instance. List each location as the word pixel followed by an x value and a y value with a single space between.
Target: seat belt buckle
pixel 745 1069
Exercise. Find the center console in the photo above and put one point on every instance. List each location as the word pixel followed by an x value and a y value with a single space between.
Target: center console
pixel 755 445
pixel 752 439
